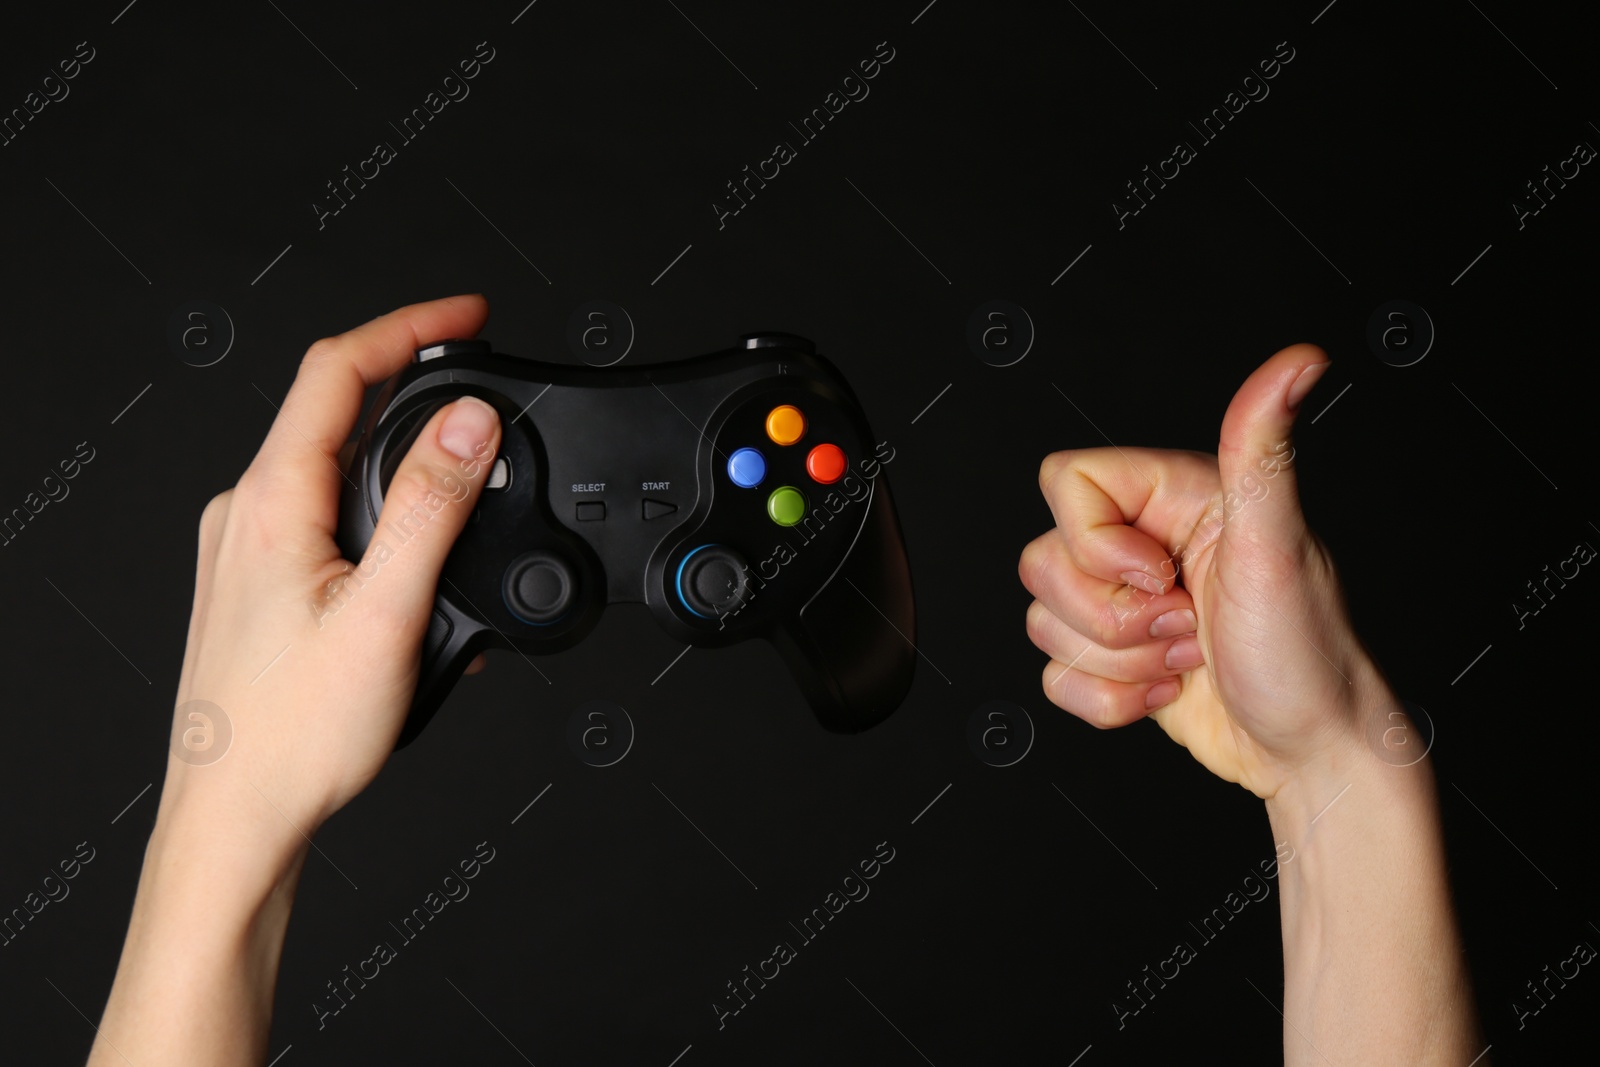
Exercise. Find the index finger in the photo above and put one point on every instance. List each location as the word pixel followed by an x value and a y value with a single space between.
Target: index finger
pixel 1122 511
pixel 301 449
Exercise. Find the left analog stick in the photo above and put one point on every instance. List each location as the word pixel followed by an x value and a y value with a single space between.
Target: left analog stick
pixel 539 587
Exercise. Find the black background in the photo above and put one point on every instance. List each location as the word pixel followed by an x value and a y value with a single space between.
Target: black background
pixel 1017 907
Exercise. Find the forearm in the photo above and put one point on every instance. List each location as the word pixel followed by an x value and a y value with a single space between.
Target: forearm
pixel 201 959
pixel 1373 966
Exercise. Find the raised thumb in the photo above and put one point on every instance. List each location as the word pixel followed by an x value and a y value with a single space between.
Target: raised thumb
pixel 1255 455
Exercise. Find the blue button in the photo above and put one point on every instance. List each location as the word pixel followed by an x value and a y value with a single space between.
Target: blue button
pixel 747 467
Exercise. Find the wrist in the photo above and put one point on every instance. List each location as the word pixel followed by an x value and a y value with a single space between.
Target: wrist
pixel 1378 750
pixel 222 886
pixel 1365 911
pixel 221 832
pixel 208 923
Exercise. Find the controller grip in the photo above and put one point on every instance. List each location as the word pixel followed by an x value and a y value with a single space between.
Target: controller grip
pixel 852 649
pixel 451 641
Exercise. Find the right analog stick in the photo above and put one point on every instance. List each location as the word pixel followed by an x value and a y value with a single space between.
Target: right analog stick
pixel 539 587
pixel 713 580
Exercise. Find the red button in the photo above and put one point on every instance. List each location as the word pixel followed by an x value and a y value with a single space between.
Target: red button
pixel 826 464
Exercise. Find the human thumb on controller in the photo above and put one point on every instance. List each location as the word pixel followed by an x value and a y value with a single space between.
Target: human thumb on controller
pixel 297 676
pixel 302 662
pixel 425 507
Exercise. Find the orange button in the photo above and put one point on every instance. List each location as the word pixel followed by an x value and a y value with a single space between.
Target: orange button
pixel 826 464
pixel 785 424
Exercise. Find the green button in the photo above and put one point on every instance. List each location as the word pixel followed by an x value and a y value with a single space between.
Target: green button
pixel 786 505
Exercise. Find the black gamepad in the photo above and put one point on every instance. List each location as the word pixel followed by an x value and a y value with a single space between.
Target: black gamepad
pixel 738 494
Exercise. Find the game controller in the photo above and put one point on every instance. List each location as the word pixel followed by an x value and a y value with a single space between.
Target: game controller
pixel 736 495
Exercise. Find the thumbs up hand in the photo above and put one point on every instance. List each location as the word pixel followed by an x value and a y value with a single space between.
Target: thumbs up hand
pixel 1187 587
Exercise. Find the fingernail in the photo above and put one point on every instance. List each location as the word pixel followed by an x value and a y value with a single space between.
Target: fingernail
pixel 1184 653
pixel 468 427
pixel 1148 582
pixel 1172 623
pixel 1302 385
pixel 1162 693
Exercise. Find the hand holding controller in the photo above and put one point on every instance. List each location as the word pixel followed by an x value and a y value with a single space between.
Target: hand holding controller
pixel 736 495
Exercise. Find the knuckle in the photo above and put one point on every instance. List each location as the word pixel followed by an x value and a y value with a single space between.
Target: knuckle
pixel 413 484
pixel 392 615
pixel 215 511
pixel 252 516
pixel 1085 697
pixel 321 351
pixel 1052 466
pixel 1033 564
pixel 423 485
pixel 1054 691
pixel 1039 626
pixel 258 490
pixel 213 520
pixel 246 487
pixel 372 611
pixel 263 512
pixel 1275 561
pixel 1105 711
pixel 1110 626
pixel 1090 701
pixel 250 492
